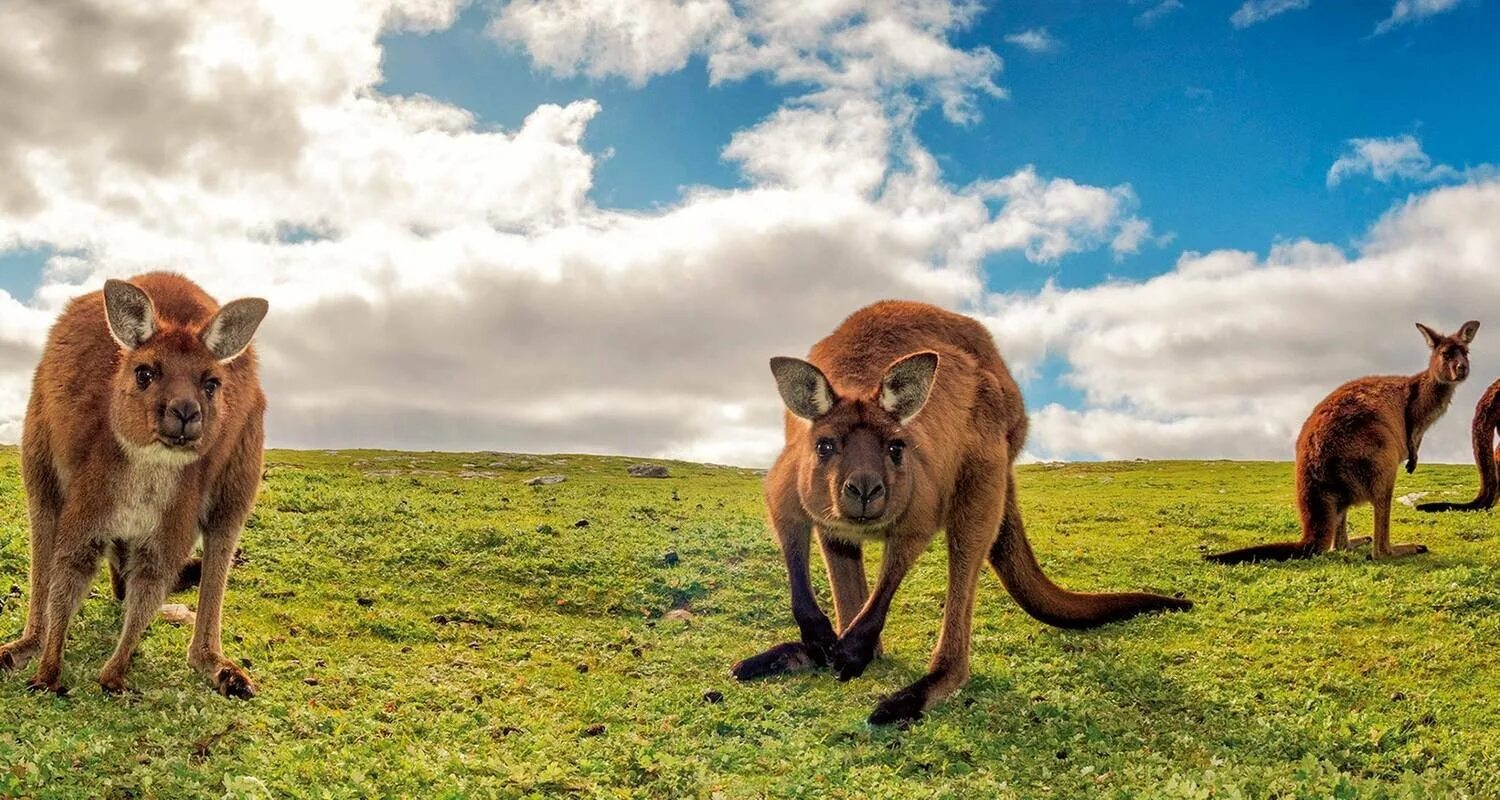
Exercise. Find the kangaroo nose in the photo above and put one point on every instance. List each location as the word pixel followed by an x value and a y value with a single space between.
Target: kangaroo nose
pixel 864 488
pixel 183 419
pixel 185 410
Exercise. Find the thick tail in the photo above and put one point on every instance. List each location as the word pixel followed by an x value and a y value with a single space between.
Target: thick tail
pixel 1486 421
pixel 1278 551
pixel 1013 560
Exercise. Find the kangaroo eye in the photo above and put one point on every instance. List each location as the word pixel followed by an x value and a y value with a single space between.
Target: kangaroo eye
pixel 144 375
pixel 211 387
pixel 896 448
pixel 825 448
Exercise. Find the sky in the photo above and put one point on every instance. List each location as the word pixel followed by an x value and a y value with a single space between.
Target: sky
pixel 585 225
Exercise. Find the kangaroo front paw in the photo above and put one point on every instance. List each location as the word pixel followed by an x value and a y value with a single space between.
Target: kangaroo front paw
pixel 781 659
pixel 902 708
pixel 851 655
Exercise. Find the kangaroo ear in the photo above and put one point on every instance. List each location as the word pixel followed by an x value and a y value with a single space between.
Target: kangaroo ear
pixel 1432 336
pixel 229 332
pixel 803 387
pixel 904 389
pixel 1466 333
pixel 132 318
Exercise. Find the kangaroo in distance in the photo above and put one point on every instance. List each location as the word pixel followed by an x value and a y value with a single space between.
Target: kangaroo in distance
pixel 902 422
pixel 1486 424
pixel 1351 447
pixel 143 433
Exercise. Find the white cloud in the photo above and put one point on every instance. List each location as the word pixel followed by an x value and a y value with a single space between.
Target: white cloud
pixel 1037 40
pixel 1407 11
pixel 1256 11
pixel 439 283
pixel 1156 10
pixel 1386 160
pixel 1225 355
pixel 843 48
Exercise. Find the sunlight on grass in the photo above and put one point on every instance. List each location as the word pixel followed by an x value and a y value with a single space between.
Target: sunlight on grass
pixel 425 625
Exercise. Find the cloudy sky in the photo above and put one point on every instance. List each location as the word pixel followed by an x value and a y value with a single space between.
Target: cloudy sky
pixel 584 225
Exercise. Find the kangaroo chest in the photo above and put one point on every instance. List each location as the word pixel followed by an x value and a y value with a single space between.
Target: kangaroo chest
pixel 143 492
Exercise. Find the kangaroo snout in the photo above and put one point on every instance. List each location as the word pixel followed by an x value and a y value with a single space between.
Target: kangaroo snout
pixel 864 496
pixel 182 420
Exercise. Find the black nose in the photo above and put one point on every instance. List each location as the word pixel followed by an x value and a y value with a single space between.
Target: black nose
pixel 182 419
pixel 864 488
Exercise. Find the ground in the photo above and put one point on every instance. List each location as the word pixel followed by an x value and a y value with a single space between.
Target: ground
pixel 426 625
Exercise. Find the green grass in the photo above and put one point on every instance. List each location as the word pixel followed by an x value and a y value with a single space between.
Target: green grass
pixel 420 626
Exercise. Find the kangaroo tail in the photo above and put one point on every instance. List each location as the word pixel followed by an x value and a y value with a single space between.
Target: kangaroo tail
pixel 1486 421
pixel 1016 564
pixel 1278 551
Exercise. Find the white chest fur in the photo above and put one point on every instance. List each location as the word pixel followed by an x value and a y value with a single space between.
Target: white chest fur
pixel 143 492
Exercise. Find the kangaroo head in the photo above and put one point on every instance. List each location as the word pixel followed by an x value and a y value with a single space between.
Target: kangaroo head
pixel 1449 362
pixel 170 388
pixel 856 469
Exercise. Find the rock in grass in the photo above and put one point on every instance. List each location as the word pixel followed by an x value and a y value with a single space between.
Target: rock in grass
pixel 647 471
pixel 713 697
pixel 177 614
pixel 546 480
pixel 679 614
pixel 670 558
pixel 594 730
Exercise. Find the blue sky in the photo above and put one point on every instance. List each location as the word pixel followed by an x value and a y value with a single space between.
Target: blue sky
pixel 1255 289
pixel 1226 134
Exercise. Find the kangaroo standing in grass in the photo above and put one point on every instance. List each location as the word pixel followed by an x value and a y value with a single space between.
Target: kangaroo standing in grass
pixel 1352 446
pixel 143 433
pixel 1486 424
pixel 905 421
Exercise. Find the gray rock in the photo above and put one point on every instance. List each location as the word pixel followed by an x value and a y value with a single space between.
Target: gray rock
pixel 647 471
pixel 546 480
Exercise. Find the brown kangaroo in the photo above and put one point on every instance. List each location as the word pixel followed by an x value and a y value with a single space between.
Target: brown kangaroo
pixel 902 422
pixel 1351 447
pixel 1486 424
pixel 143 433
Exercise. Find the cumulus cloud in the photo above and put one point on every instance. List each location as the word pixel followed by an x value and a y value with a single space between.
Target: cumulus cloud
pixel 1408 11
pixel 844 48
pixel 1037 40
pixel 1257 11
pixel 1386 160
pixel 440 283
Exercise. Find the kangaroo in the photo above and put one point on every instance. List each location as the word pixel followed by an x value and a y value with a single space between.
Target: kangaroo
pixel 1351 447
pixel 1486 423
pixel 902 422
pixel 143 433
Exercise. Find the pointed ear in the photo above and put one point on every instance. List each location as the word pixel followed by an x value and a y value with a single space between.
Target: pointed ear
pixel 132 318
pixel 229 332
pixel 1432 336
pixel 904 389
pixel 1466 333
pixel 803 387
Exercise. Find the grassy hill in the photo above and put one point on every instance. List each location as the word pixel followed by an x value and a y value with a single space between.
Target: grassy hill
pixel 425 625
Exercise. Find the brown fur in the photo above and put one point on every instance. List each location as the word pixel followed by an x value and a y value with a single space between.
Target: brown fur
pixel 954 473
pixel 139 471
pixel 1352 446
pixel 1486 424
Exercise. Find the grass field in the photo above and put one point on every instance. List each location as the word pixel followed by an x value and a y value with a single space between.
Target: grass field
pixel 427 626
